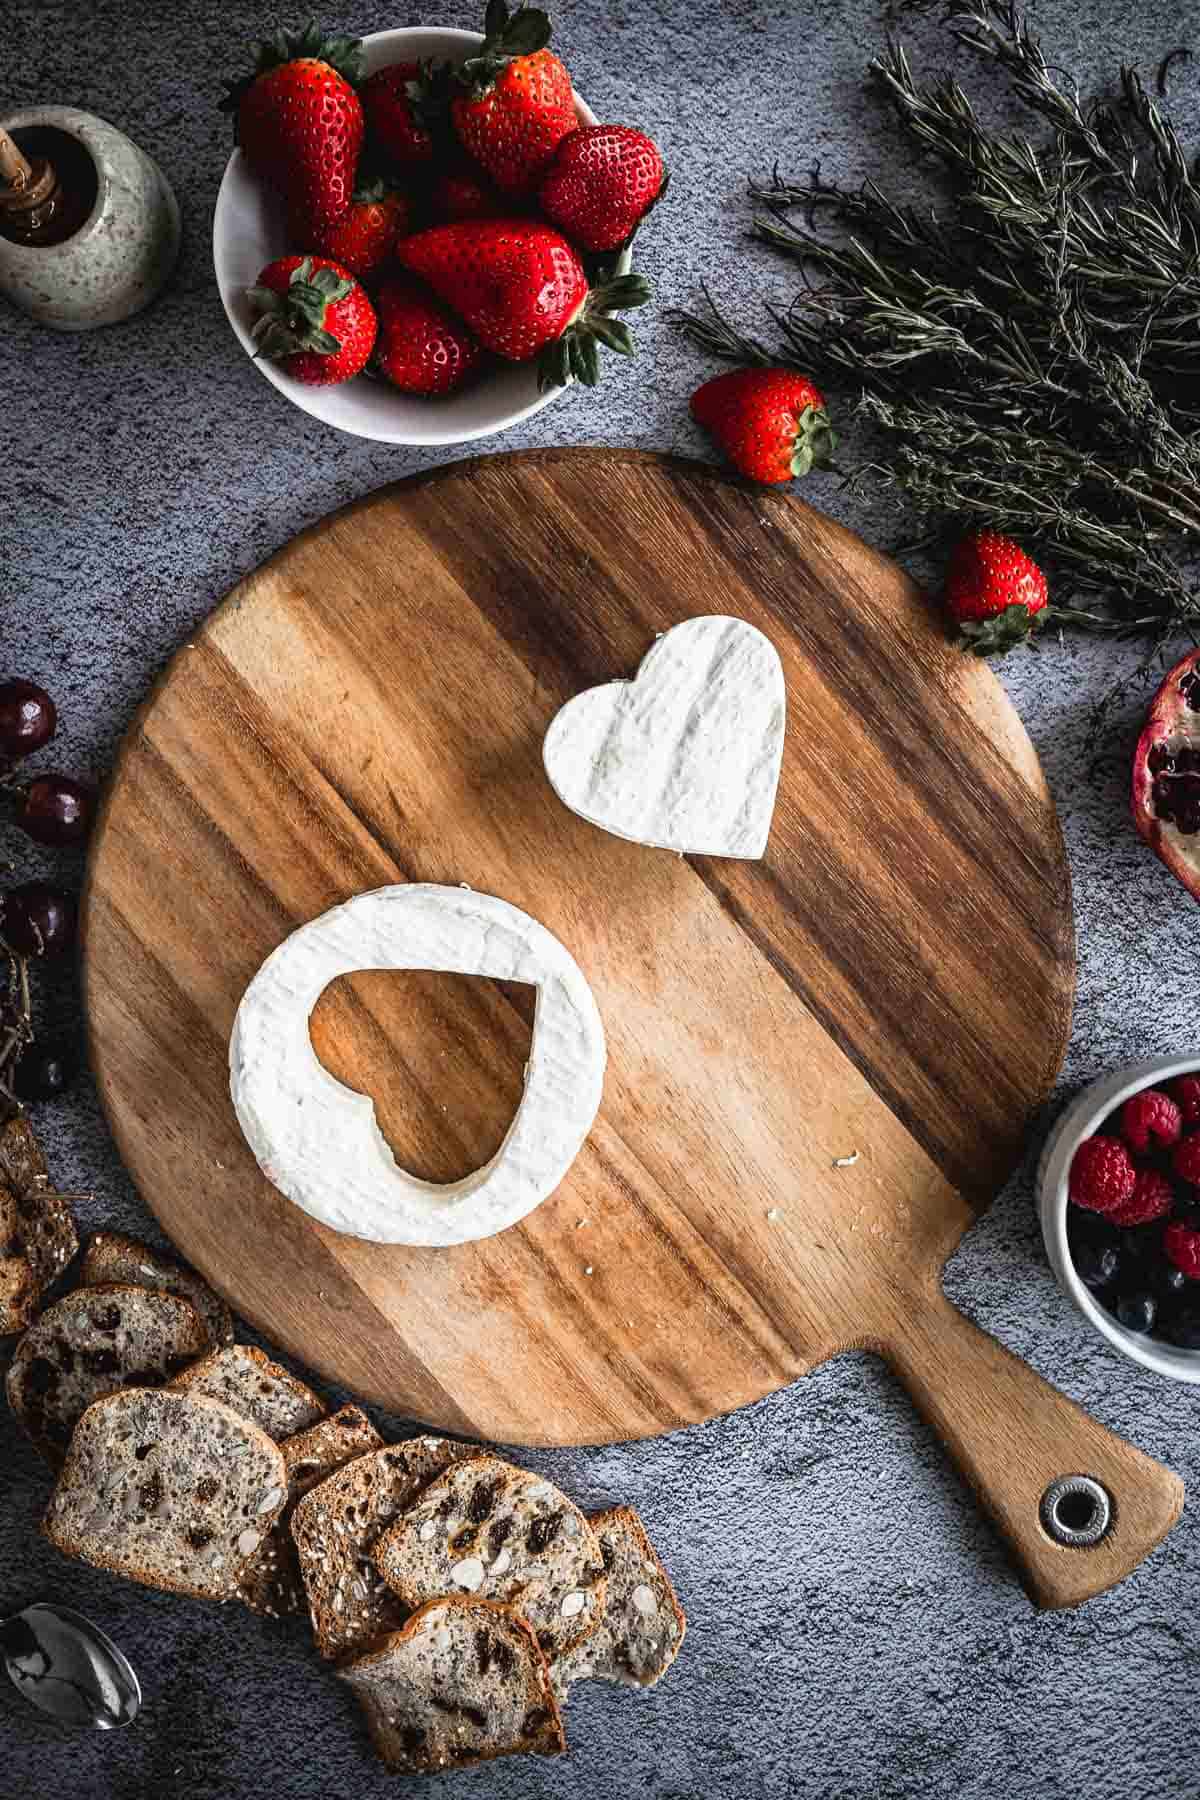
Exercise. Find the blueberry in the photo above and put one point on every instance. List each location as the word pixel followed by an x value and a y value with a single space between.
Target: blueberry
pixel 1172 1282
pixel 1097 1265
pixel 1137 1310
pixel 1183 1326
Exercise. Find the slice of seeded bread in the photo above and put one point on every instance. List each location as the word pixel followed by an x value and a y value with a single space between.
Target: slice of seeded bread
pixel 22 1165
pixel 172 1490
pixel 487 1528
pixel 18 1295
pixel 643 1624
pixel 111 1256
pixel 90 1342
pixel 35 1222
pixel 462 1683
pixel 271 1581
pixel 335 1528
pixel 244 1378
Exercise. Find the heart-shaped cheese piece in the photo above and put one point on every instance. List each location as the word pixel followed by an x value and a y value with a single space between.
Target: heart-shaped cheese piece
pixel 686 755
pixel 319 1141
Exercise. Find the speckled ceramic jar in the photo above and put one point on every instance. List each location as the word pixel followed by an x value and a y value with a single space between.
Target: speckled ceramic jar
pixel 126 247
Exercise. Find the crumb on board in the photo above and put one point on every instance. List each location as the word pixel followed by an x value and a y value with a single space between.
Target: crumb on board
pixel 846 1162
pixel 773 1213
pixel 588 1270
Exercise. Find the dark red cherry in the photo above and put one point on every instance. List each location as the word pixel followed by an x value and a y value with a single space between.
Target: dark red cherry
pixel 56 810
pixel 27 718
pixel 37 919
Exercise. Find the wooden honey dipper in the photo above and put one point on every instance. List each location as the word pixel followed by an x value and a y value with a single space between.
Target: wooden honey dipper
pixel 30 195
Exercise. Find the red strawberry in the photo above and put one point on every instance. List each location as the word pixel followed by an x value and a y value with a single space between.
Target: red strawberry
pixel 368 231
pixel 314 318
pixel 522 290
pixel 300 124
pixel 516 101
pixel 1102 1176
pixel 461 193
pixel 771 423
pixel 421 348
pixel 994 592
pixel 601 183
pixel 391 99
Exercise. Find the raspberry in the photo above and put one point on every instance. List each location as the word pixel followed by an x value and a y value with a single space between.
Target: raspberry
pixel 1186 1093
pixel 1152 1198
pixel 1186 1160
pixel 1151 1118
pixel 1182 1246
pixel 1102 1176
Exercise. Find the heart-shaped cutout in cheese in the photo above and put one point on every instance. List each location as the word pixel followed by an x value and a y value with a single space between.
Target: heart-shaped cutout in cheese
pixel 685 756
pixel 319 1141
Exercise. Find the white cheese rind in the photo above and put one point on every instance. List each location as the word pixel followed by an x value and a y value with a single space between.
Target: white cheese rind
pixel 318 1141
pixel 686 756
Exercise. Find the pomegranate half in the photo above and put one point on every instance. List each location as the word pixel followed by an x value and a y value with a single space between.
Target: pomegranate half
pixel 1166 773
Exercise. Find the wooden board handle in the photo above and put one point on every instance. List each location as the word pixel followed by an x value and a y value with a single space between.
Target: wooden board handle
pixel 1011 1435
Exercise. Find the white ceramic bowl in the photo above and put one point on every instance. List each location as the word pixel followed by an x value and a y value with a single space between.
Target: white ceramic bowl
pixel 248 233
pixel 1086 1113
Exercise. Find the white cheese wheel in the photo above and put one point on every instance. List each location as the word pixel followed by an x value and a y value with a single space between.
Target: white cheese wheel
pixel 686 756
pixel 318 1141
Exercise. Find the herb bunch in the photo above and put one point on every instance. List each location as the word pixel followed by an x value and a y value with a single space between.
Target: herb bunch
pixel 1031 354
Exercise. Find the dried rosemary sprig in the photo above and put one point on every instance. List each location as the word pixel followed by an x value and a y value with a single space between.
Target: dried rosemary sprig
pixel 1031 353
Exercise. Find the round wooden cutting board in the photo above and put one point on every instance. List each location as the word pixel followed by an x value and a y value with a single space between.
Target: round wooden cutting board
pixel 892 982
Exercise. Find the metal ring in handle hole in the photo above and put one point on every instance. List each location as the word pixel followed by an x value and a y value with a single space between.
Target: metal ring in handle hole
pixel 1077 1511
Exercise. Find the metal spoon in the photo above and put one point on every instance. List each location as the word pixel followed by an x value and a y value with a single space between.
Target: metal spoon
pixel 69 1668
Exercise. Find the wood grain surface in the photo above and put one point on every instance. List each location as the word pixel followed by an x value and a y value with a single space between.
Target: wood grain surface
pixel 894 978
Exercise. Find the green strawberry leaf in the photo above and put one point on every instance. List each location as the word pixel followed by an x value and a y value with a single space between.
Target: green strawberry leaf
pixel 997 635
pixel 495 19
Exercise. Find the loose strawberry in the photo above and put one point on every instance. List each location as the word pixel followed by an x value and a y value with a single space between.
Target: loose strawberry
pixel 300 124
pixel 422 347
pixel 522 290
pixel 314 318
pixel 771 423
pixel 601 183
pixel 367 232
pixel 459 192
pixel 515 102
pixel 392 102
pixel 994 593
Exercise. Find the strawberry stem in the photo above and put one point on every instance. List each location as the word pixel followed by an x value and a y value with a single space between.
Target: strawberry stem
pixel 574 355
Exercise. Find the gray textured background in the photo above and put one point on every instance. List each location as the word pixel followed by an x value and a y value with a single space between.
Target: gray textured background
pixel 854 1628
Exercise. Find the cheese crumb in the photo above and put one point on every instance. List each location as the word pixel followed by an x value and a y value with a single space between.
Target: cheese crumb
pixel 588 1270
pixel 773 1214
pixel 846 1162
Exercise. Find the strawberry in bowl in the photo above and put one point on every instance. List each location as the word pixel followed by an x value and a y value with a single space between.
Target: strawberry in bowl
pixel 360 151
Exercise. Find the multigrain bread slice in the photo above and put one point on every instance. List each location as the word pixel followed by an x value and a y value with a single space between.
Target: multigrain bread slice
pixel 91 1342
pixel 487 1528
pixel 36 1224
pixel 111 1256
pixel 643 1625
pixel 18 1285
pixel 271 1581
pixel 464 1682
pixel 335 1528
pixel 261 1390
pixel 172 1490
